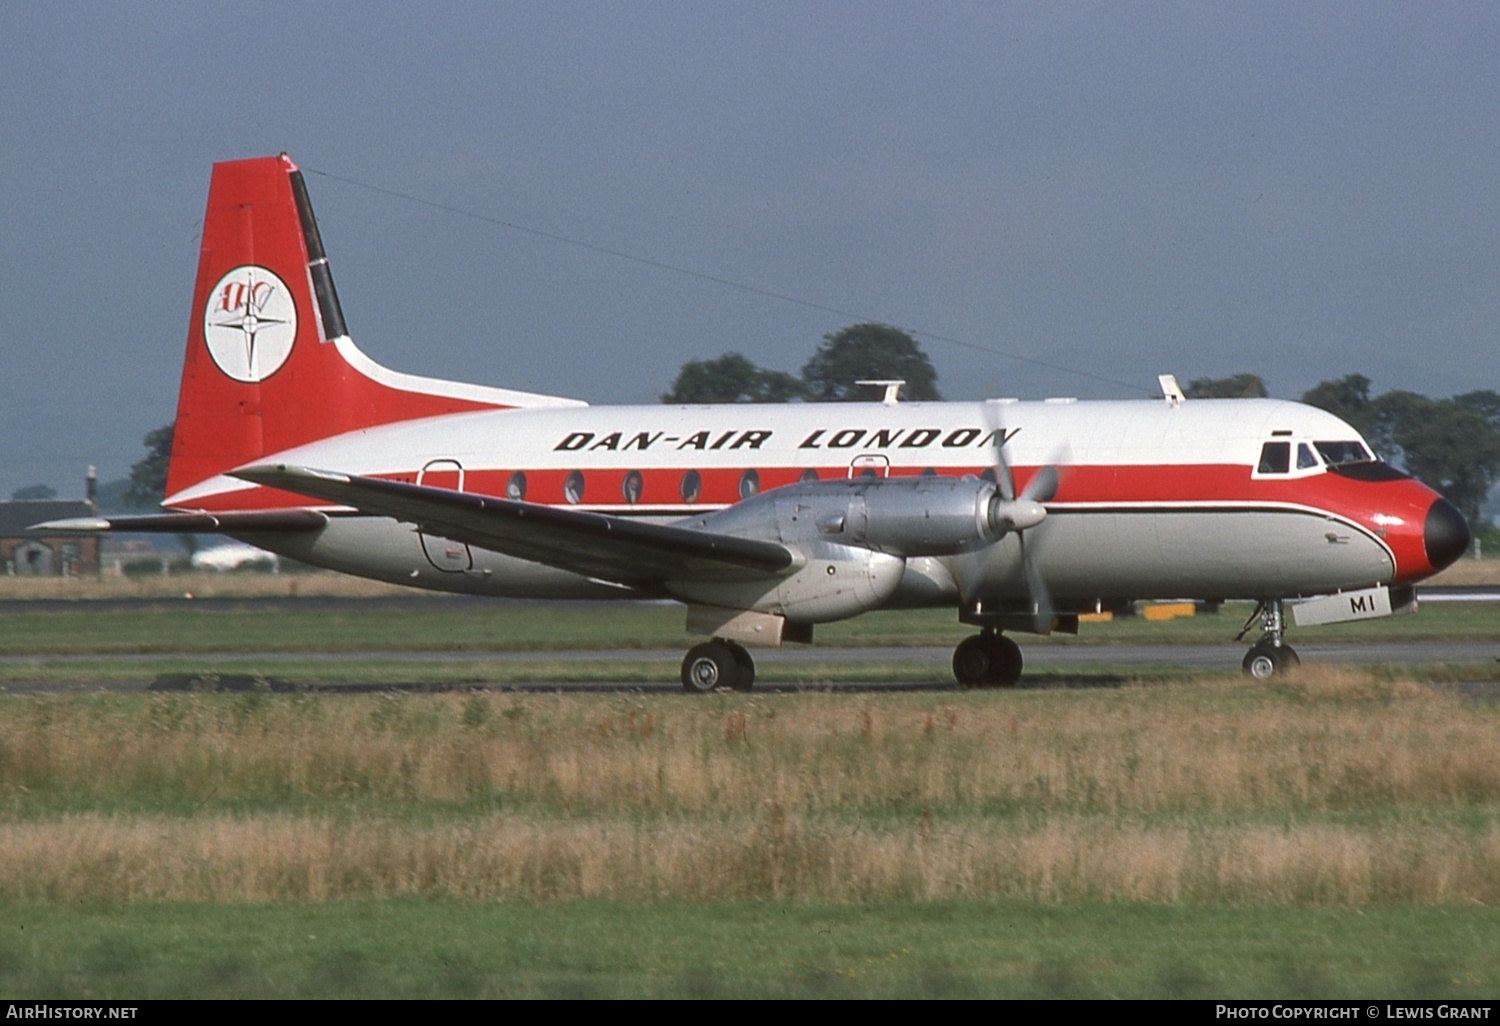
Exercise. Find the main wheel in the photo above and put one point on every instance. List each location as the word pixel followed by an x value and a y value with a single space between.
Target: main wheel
pixel 746 666
pixel 986 661
pixel 1008 661
pixel 708 667
pixel 972 661
pixel 1265 660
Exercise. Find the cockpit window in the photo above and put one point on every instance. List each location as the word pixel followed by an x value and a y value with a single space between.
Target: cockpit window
pixel 1275 458
pixel 1305 458
pixel 1338 453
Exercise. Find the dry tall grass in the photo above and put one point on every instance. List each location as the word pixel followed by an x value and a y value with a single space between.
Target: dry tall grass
pixel 275 857
pixel 1339 789
pixel 1470 572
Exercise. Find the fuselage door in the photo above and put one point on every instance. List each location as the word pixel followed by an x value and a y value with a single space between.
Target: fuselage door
pixel 445 554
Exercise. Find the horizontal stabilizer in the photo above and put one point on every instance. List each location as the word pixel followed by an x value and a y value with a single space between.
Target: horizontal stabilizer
pixel 609 548
pixel 275 520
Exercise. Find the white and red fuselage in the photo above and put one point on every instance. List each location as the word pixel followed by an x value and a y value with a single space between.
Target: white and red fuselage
pixel 1157 500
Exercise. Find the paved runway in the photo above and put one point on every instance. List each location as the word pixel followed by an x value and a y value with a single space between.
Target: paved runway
pixel 1052 660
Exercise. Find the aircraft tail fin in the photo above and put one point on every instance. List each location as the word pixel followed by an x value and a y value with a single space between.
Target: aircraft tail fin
pixel 269 361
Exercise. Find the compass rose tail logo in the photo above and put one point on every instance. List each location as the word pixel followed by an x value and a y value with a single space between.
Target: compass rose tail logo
pixel 250 324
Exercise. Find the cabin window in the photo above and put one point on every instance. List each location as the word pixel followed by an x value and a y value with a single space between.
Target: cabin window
pixel 749 483
pixel 692 486
pixel 988 474
pixel 1275 458
pixel 573 487
pixel 631 487
pixel 515 488
pixel 808 475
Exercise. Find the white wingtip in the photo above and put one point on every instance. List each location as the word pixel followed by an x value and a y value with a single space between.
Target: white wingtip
pixel 78 524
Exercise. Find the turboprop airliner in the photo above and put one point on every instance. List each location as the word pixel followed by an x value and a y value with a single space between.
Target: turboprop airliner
pixel 762 520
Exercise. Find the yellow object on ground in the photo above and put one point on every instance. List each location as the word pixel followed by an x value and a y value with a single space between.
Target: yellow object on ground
pixel 1168 610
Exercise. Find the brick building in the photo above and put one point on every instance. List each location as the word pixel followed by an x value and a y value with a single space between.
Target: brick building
pixel 26 553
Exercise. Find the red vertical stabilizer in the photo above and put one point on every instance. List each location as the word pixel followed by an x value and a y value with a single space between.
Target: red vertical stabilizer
pixel 269 365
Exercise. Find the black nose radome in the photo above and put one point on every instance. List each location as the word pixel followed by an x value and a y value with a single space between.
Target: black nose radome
pixel 1446 534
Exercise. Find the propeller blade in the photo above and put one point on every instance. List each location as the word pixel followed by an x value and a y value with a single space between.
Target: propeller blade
pixel 1048 479
pixel 1036 588
pixel 1004 481
pixel 1043 485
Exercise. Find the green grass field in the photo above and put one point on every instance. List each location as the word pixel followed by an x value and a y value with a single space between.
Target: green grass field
pixel 418 948
pixel 1335 834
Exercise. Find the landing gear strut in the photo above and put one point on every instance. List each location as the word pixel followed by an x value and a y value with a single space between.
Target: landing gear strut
pixel 717 664
pixel 1270 656
pixel 986 660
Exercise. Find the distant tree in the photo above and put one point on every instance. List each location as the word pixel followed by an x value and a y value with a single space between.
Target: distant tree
pixel 1453 449
pixel 1240 386
pixel 1485 403
pixel 867 352
pixel 148 476
pixel 731 378
pixel 36 491
pixel 112 496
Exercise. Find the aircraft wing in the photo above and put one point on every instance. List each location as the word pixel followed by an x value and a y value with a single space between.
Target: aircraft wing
pixel 597 545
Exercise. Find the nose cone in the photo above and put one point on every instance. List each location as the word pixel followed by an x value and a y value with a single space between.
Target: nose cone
pixel 1446 534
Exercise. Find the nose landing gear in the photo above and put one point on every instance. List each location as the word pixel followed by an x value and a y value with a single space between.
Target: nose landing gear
pixel 1269 657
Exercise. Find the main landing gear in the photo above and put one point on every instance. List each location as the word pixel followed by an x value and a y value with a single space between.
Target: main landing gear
pixel 1270 656
pixel 717 664
pixel 987 660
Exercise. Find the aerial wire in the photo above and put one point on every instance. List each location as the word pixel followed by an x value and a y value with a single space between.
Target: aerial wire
pixel 713 279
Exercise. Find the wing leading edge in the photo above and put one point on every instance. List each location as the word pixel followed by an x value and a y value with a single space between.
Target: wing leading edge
pixel 593 544
pixel 276 521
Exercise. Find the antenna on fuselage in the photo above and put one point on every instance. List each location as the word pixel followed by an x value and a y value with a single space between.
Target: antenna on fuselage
pixel 1171 391
pixel 891 385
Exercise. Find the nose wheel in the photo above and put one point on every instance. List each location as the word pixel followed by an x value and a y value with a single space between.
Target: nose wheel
pixel 1266 660
pixel 1270 657
pixel 987 660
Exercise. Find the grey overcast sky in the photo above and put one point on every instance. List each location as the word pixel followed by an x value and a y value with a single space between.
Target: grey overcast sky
pixel 1299 190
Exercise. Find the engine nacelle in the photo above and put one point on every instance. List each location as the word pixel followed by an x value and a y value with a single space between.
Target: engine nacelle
pixel 911 516
pixel 922 516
